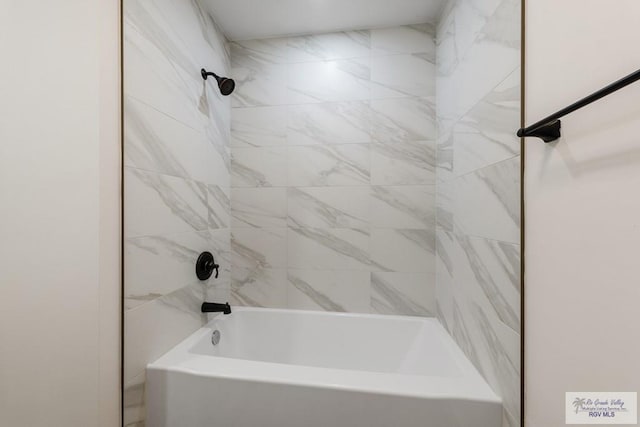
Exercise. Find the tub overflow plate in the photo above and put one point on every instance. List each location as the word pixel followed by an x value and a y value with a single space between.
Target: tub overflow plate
pixel 215 337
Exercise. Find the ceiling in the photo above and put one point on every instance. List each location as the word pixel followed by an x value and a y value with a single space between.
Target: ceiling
pixel 251 19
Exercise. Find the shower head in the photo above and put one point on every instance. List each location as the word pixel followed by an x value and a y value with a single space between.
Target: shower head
pixel 225 84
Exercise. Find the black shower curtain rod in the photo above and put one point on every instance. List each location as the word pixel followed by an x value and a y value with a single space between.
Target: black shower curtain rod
pixel 548 129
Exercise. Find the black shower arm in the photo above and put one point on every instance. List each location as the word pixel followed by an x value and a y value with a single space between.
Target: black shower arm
pixel 204 73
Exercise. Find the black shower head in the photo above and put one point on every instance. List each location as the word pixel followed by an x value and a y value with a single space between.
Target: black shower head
pixel 225 84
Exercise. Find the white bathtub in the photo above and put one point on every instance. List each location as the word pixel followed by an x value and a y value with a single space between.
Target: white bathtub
pixel 287 368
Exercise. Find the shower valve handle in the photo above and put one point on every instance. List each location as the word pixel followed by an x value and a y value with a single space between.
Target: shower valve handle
pixel 205 266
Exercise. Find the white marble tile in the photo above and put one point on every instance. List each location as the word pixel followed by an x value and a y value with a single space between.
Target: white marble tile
pixel 259 167
pixel 154 328
pixel 259 247
pixel 405 75
pixel 477 288
pixel 490 272
pixel 408 119
pixel 219 206
pixel 328 165
pixel 403 163
pixel 403 250
pixel 328 249
pixel 133 401
pixel 329 123
pixel 259 207
pixel 163 68
pixel 445 282
pixel 486 135
pixel 329 81
pixel 157 142
pixel 328 290
pixel 159 204
pixel 444 155
pixel 410 294
pixel 493 56
pixel 338 45
pixel 471 17
pixel 405 39
pixel 257 83
pixel 159 265
pixel 444 205
pixel 274 50
pixel 487 202
pixel 259 126
pixel 191 25
pixel 328 207
pixel 259 287
pixel 404 206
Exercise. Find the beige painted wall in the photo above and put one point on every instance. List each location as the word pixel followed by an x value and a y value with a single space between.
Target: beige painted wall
pixel 582 206
pixel 59 214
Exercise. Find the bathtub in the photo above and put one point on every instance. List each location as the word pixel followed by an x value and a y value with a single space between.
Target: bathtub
pixel 289 368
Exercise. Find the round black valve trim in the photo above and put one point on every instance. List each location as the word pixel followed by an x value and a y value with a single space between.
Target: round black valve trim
pixel 205 266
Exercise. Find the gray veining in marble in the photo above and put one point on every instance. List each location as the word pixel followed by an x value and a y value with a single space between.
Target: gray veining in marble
pixel 478 189
pixel 319 298
pixel 403 206
pixel 176 179
pixel 329 123
pixel 348 44
pixel 328 165
pixel 403 163
pixel 389 295
pixel 329 207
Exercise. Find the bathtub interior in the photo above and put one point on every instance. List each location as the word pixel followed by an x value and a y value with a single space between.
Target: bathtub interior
pixel 385 344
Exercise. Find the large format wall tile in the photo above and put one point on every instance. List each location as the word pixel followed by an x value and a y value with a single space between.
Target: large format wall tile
pixel 259 84
pixel 403 250
pixel 259 167
pixel 157 142
pixel 403 75
pixel 153 328
pixel 403 163
pixel 406 206
pixel 159 204
pixel 359 127
pixel 259 287
pixel 329 207
pixel 328 249
pixel 259 207
pixel 259 126
pixel 344 291
pixel 348 44
pixel 176 177
pixel 329 123
pixel 159 265
pixel 486 135
pixel 411 294
pixel 328 165
pixel 403 119
pixel 478 293
pixel 330 81
pixel 405 39
pixel 487 202
pixel 259 247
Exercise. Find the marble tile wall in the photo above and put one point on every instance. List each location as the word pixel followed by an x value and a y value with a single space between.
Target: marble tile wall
pixel 478 189
pixel 333 140
pixel 177 180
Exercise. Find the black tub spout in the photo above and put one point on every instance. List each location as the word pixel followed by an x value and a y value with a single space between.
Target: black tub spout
pixel 212 307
